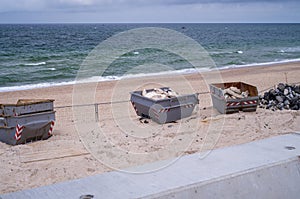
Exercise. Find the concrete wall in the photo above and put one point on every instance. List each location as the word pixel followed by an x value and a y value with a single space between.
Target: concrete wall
pixel 267 168
pixel 281 180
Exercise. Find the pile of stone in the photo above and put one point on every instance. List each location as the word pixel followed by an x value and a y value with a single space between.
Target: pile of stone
pixel 283 96
pixel 158 93
pixel 234 93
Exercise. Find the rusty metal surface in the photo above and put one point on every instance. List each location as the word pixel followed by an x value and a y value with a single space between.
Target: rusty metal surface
pixel 233 105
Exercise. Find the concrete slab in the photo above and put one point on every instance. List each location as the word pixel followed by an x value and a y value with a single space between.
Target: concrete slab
pixel 268 168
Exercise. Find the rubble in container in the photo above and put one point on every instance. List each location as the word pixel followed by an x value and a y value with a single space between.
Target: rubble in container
pixel 158 93
pixel 235 93
pixel 283 96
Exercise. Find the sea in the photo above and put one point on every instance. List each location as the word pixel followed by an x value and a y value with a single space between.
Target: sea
pixel 42 55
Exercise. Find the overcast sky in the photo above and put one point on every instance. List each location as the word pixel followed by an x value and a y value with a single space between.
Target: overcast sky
pixel 119 11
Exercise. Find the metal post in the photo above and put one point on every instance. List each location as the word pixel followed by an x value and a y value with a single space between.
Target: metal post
pixel 96 113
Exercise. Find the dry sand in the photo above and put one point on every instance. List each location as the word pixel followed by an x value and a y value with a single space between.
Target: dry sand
pixel 120 140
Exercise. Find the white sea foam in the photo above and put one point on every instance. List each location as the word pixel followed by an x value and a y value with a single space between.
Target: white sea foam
pixel 140 75
pixel 183 71
pixel 99 79
pixel 35 64
pixel 33 86
pixel 260 64
pixel 220 52
pixel 292 49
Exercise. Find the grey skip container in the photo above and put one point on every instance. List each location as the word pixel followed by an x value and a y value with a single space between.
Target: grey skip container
pixel 164 110
pixel 26 120
pixel 26 106
pixel 225 106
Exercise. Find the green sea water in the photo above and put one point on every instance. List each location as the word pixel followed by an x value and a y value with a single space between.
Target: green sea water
pixel 37 55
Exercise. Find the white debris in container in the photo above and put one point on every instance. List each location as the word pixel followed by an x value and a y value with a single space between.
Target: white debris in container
pixel 235 93
pixel 235 89
pixel 245 94
pixel 158 93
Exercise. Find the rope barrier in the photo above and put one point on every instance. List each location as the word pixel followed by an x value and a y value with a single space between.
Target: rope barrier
pixel 106 103
pixel 82 105
pixel 123 101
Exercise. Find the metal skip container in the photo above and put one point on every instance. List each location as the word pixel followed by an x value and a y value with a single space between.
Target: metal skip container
pixel 164 110
pixel 26 120
pixel 225 106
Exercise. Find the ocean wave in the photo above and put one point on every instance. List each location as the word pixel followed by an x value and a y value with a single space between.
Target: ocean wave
pixel 174 72
pixel 35 64
pixel 226 52
pixel 220 52
pixel 140 75
pixel 34 86
pixel 260 64
pixel 99 79
pixel 290 50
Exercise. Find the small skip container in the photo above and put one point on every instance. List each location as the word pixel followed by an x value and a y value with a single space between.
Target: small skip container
pixel 164 110
pixel 225 106
pixel 26 121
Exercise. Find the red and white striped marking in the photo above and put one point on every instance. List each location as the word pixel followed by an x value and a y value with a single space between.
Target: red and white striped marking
pixel 241 103
pixel 18 134
pixel 250 102
pixel 189 106
pixel 164 110
pixel 233 104
pixel 134 107
pixel 51 128
pixel 156 115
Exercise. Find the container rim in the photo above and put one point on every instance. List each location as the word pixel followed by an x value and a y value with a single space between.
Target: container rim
pixel 24 102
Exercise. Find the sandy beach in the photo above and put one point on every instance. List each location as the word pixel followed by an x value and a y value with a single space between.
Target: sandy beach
pixel 128 141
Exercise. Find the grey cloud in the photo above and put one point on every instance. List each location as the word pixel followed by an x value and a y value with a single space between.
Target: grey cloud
pixel 182 2
pixel 29 5
pixel 149 10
